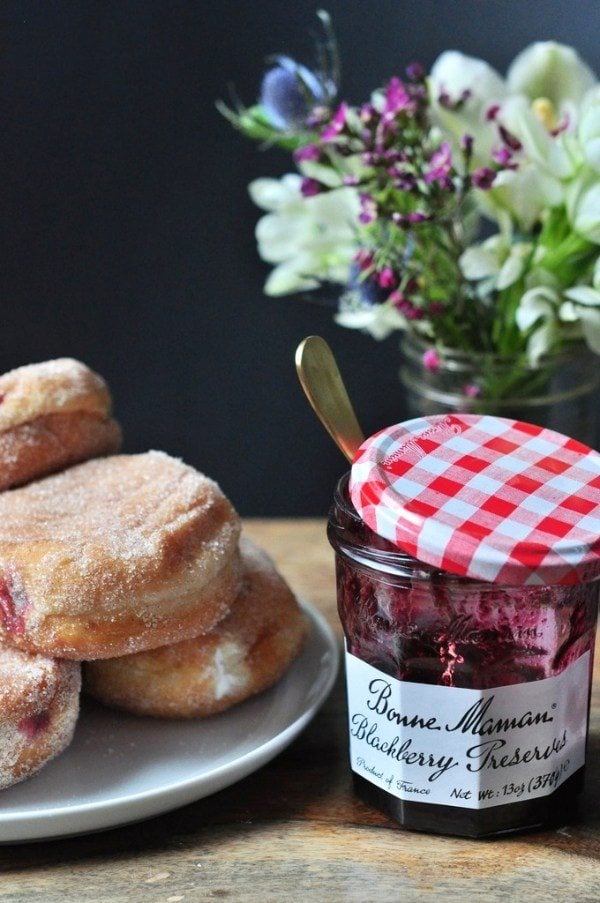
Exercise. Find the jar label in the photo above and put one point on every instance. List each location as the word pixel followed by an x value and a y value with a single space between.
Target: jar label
pixel 469 748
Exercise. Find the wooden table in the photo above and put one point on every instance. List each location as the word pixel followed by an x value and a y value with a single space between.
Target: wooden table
pixel 294 831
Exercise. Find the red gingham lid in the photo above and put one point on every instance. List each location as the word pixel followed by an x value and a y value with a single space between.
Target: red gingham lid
pixel 483 497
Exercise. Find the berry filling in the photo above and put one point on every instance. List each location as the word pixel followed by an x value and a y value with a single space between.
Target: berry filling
pixel 34 726
pixel 13 605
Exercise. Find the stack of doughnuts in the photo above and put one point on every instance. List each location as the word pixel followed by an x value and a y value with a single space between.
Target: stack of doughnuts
pixel 131 564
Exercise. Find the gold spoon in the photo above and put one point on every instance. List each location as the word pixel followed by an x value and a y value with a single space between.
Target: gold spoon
pixel 324 388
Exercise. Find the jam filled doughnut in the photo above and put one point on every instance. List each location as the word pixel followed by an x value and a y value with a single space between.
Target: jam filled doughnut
pixel 52 415
pixel 39 704
pixel 115 555
pixel 246 653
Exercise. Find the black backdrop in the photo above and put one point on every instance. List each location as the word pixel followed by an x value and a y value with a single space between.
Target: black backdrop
pixel 128 232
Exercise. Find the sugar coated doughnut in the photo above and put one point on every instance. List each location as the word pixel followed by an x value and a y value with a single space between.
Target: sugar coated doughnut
pixel 244 654
pixel 39 704
pixel 52 415
pixel 115 555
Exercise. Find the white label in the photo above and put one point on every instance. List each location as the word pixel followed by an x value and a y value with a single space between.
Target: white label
pixel 468 748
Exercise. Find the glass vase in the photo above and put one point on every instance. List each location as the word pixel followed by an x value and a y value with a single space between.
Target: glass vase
pixel 559 392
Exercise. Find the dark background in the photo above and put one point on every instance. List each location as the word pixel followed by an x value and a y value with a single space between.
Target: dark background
pixel 128 232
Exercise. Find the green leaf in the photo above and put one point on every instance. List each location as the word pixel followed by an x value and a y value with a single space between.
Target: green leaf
pixel 255 124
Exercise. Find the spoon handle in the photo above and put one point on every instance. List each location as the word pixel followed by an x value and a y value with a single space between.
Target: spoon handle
pixel 325 390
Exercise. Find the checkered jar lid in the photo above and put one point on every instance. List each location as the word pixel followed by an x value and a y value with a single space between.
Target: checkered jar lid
pixel 484 497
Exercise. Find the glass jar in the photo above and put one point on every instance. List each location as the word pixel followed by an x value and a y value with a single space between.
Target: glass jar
pixel 559 392
pixel 468 701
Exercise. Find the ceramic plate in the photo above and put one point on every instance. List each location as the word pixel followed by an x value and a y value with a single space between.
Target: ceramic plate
pixel 121 768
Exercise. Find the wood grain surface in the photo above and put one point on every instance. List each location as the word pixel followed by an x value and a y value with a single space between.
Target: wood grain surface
pixel 294 831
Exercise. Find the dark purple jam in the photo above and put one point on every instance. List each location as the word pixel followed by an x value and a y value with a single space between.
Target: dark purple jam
pixel 418 624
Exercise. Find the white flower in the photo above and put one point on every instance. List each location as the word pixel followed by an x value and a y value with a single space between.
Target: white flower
pixel 379 320
pixel 552 71
pixel 551 153
pixel 498 259
pixel 543 162
pixel 310 239
pixel 549 313
pixel 583 205
pixel 583 306
pixel 454 73
pixel 545 70
pixel 538 311
pixel 588 131
pixel 538 104
pixel 524 194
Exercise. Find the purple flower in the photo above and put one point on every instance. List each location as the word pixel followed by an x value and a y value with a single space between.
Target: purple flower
pixel 483 178
pixel 369 158
pixel 509 139
pixel 368 212
pixel 400 219
pixel 288 93
pixel 310 152
pixel 405 306
pixel 440 166
pixel 471 390
pixel 492 112
pixel 445 100
pixel 431 360
pixel 417 216
pixel 364 259
pixel 396 99
pixel 398 300
pixel 365 286
pixel 415 72
pixel 336 124
pixel 466 145
pixel 387 278
pixel 402 179
pixel 367 112
pixel 310 187
pixel 503 156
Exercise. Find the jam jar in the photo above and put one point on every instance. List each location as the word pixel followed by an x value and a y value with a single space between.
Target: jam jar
pixel 468 696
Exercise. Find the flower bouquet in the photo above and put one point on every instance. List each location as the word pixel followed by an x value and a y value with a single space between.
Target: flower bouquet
pixel 456 206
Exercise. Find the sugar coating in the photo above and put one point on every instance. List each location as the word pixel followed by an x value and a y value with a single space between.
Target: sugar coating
pixel 228 669
pixel 52 442
pixel 26 682
pixel 10 451
pixel 52 415
pixel 129 536
pixel 34 687
pixel 63 385
pixel 244 654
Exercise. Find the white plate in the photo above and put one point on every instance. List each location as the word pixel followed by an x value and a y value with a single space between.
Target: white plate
pixel 120 768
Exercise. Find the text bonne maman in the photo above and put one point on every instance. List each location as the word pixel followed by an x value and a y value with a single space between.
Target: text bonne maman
pixel 477 721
